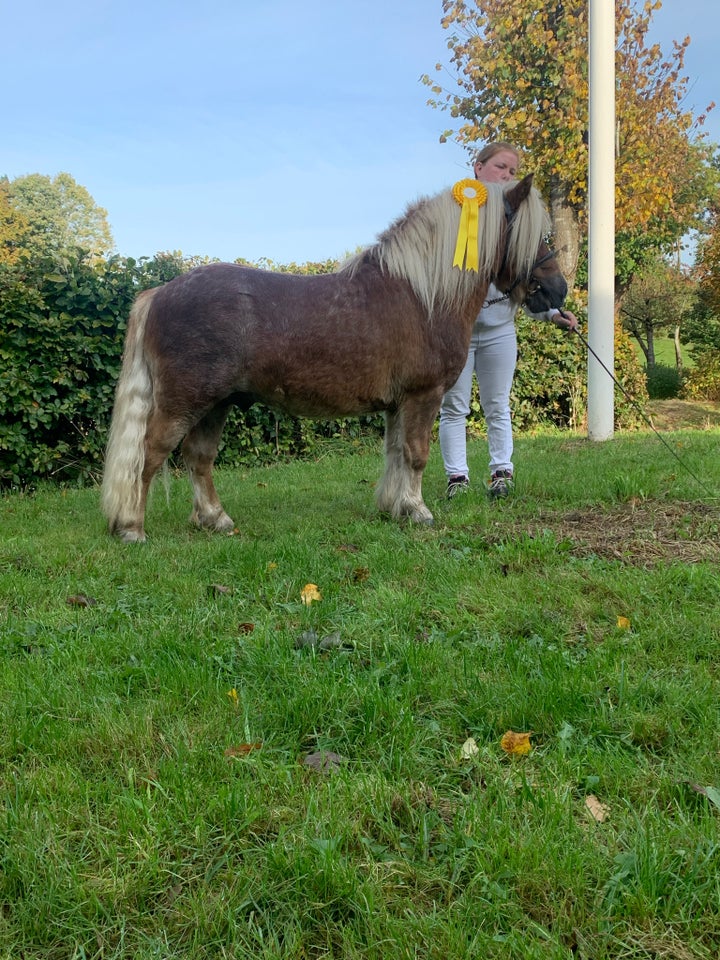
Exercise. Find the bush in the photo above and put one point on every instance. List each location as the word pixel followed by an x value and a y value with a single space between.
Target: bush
pixel 60 352
pixel 629 402
pixel 703 380
pixel 663 382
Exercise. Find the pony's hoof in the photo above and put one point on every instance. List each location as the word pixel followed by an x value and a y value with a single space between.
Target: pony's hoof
pixel 426 521
pixel 224 524
pixel 422 515
pixel 221 523
pixel 413 513
pixel 130 536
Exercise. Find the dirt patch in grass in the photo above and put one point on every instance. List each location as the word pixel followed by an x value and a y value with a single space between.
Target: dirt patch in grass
pixel 683 414
pixel 641 533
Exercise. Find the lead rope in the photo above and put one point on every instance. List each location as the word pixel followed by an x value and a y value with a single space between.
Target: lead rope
pixel 648 421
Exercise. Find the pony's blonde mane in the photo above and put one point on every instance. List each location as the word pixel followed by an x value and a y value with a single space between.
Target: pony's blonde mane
pixel 419 247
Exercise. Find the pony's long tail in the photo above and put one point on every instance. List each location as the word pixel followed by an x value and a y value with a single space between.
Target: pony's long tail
pixel 125 454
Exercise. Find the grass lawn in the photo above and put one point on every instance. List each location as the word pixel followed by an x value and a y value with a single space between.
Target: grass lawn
pixel 194 763
pixel 665 352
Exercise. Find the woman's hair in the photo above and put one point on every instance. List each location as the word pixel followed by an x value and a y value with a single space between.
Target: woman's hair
pixel 490 149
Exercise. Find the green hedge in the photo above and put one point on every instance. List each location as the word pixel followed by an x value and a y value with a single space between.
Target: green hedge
pixel 60 344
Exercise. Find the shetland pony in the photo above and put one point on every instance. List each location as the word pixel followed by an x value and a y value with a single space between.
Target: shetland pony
pixel 388 331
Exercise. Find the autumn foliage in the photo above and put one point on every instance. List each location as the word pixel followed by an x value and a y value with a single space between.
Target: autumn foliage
pixel 522 75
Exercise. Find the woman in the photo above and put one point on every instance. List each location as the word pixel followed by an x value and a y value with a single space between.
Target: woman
pixel 492 356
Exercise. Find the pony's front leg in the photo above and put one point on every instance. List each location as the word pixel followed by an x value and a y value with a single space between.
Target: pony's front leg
pixel 407 447
pixel 199 450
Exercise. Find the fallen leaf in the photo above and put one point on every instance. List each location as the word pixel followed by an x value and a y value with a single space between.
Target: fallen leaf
pixel 233 697
pixel 80 600
pixel 308 638
pixel 334 641
pixel 712 793
pixel 623 623
pixel 246 627
pixel 218 589
pixel 310 593
pixel 348 547
pixel 469 749
pixel 598 811
pixel 242 749
pixel 272 565
pixel 360 574
pixel 323 761
pixel 311 638
pixel 517 744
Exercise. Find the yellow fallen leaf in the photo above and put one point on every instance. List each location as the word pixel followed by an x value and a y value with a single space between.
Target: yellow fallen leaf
pixel 598 811
pixel 233 697
pixel 469 749
pixel 623 623
pixel 310 593
pixel 517 744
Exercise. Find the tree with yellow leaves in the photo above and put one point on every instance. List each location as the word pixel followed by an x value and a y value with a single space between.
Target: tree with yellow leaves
pixel 51 216
pixel 14 230
pixel 522 76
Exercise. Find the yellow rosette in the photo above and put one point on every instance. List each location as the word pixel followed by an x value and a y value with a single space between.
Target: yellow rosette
pixel 471 195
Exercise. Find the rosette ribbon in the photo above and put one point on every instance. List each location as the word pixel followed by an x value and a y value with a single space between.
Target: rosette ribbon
pixel 471 195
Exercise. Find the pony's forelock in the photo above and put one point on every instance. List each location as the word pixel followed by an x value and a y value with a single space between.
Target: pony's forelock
pixel 529 225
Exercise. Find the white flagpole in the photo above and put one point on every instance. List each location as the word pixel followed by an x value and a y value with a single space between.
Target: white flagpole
pixel 601 217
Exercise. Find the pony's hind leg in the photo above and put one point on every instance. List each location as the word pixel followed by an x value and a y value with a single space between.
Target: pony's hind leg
pixel 407 447
pixel 199 450
pixel 163 435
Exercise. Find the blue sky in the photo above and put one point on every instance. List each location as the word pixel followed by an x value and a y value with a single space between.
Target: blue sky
pixel 287 130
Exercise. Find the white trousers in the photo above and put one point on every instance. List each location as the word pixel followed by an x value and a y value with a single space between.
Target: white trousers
pixel 492 357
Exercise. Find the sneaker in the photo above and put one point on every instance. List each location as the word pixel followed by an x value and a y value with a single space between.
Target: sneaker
pixel 501 484
pixel 457 484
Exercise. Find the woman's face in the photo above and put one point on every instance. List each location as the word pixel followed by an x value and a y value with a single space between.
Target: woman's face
pixel 502 166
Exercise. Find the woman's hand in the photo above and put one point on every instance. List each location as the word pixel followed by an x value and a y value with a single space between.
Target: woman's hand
pixel 566 320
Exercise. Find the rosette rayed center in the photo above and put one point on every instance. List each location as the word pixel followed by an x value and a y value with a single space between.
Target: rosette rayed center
pixel 470 190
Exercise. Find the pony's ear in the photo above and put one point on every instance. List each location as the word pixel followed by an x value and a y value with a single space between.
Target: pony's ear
pixel 520 192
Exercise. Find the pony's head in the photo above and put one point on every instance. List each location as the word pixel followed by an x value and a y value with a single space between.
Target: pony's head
pixel 529 271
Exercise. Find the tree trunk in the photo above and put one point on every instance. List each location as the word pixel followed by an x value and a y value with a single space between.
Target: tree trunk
pixel 565 229
pixel 635 332
pixel 650 345
pixel 678 351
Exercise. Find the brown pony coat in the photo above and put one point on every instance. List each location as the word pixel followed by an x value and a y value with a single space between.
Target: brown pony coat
pixel 388 331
